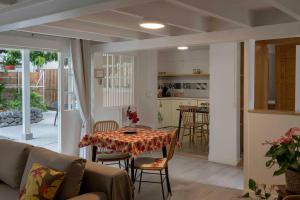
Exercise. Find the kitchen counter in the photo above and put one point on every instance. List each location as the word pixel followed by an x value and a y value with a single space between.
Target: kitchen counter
pixel 182 98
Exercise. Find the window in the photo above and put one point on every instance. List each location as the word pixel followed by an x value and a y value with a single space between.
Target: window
pixel 70 96
pixel 118 84
pixel 275 74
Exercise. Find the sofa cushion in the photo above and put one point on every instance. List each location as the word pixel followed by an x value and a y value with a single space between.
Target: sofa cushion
pixel 91 196
pixel 68 164
pixel 42 183
pixel 114 182
pixel 73 177
pixel 13 157
pixel 8 193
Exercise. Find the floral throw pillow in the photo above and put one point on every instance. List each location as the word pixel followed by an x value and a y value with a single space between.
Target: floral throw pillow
pixel 42 183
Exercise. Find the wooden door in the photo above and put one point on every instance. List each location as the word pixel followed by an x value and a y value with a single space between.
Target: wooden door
pixel 261 76
pixel 285 75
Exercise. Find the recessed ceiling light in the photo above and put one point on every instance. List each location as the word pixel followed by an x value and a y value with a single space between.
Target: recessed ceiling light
pixel 152 24
pixel 183 48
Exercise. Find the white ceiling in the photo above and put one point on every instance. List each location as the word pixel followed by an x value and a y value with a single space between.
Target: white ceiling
pixel 182 17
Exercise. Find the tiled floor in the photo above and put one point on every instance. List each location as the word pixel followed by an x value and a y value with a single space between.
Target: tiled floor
pixel 45 134
pixel 197 148
pixel 193 178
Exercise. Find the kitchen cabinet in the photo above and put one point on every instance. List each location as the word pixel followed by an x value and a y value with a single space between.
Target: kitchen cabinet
pixel 168 113
pixel 164 113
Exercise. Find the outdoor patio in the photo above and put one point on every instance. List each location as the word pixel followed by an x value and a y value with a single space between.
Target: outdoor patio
pixel 45 134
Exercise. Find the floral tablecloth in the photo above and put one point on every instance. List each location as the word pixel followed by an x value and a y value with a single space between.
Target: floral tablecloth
pixel 135 144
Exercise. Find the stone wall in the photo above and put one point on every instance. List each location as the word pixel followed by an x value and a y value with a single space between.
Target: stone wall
pixel 14 117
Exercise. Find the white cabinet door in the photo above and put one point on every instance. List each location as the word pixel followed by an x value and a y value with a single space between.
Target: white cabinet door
pixel 164 115
pixel 200 101
pixel 175 105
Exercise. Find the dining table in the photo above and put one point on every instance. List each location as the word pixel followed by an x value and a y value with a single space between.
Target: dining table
pixel 199 109
pixel 134 141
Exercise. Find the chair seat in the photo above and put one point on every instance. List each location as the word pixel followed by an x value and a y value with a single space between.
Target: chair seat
pixel 112 156
pixel 148 163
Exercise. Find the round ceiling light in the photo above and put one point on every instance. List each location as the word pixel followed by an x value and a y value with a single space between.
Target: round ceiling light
pixel 152 24
pixel 183 48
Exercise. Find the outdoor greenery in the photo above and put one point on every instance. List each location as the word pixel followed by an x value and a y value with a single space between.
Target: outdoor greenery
pixel 2 100
pixel 40 58
pixel 15 103
pixel 37 58
pixel 12 57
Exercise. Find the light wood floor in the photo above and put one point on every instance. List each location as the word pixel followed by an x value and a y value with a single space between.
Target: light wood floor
pixel 193 178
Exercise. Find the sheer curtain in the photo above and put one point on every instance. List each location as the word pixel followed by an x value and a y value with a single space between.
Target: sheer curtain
pixel 81 59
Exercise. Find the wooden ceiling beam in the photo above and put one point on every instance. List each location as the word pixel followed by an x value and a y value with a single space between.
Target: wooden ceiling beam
pixel 170 15
pixel 124 21
pixel 67 33
pixel 219 9
pixel 257 33
pixel 289 7
pixel 104 30
pixel 32 13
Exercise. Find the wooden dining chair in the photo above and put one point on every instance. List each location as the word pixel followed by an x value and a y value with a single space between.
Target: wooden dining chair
pixel 188 120
pixel 105 155
pixel 157 164
pixel 204 128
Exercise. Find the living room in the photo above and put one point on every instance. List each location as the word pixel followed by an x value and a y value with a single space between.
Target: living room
pixel 118 60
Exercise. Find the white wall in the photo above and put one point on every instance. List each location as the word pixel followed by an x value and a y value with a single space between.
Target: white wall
pixel 224 103
pixel 145 81
pixel 175 61
pixel 264 127
pixel 146 87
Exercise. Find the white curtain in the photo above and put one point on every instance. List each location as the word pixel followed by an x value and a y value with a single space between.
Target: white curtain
pixel 81 60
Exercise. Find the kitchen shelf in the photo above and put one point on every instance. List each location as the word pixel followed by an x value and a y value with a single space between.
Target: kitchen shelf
pixel 183 75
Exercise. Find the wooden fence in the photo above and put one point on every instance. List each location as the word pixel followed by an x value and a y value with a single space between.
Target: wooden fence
pixel 43 82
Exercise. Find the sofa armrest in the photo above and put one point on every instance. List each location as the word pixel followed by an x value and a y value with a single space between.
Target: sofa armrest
pixel 114 182
pixel 90 196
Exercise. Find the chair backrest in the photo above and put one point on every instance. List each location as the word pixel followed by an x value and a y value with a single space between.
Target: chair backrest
pixel 187 114
pixel 172 144
pixel 102 126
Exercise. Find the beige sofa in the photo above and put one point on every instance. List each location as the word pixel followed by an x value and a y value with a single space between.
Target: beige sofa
pixel 98 182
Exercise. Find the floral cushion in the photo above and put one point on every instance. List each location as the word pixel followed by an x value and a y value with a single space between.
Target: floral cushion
pixel 42 183
pixel 150 163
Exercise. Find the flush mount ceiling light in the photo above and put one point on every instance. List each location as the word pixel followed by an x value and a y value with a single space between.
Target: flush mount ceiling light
pixel 152 24
pixel 183 48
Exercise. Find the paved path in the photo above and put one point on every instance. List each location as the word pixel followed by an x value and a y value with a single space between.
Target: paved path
pixel 44 133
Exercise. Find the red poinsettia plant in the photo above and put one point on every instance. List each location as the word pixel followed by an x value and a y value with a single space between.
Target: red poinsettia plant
pixel 285 151
pixel 132 115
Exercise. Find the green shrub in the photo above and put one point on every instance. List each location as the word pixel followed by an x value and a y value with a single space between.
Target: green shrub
pixel 14 104
pixel 36 101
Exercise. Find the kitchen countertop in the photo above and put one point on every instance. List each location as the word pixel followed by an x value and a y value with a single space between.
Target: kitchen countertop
pixel 174 98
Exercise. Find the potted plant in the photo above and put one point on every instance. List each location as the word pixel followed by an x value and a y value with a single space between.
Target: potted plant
pixel 10 59
pixel 285 152
pixel 260 191
pixel 40 58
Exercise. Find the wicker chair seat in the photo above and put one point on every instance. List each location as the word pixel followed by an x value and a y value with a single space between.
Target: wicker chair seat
pixel 112 156
pixel 148 163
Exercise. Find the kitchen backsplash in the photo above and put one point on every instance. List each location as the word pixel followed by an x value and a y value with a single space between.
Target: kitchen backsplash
pixel 185 87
